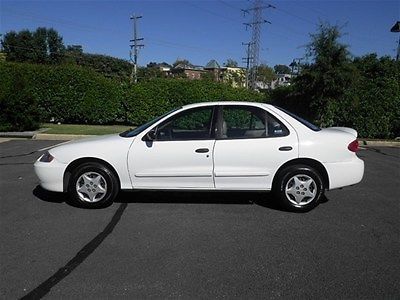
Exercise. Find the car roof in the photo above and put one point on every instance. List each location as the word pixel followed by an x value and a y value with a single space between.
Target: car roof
pixel 226 103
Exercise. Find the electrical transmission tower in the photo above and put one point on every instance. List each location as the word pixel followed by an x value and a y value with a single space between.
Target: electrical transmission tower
pixel 255 25
pixel 135 46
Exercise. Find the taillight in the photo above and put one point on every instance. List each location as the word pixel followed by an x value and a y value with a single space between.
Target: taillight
pixel 46 157
pixel 353 146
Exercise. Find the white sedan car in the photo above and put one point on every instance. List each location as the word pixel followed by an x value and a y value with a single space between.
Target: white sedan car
pixel 209 146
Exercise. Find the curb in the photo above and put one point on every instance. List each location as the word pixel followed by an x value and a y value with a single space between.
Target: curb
pixel 24 134
pixel 372 143
pixel 59 137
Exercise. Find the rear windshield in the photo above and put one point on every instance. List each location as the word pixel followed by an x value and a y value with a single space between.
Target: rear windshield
pixel 301 120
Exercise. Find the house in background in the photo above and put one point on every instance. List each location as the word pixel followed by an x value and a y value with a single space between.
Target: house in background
pixel 186 70
pixel 281 80
pixel 214 68
pixel 235 76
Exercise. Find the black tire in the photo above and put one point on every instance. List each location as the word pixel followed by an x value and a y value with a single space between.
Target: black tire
pixel 286 182
pixel 107 180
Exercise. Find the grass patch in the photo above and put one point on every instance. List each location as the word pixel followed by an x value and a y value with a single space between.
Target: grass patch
pixel 83 129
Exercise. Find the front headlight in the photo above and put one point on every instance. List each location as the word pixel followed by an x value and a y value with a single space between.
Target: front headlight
pixel 46 157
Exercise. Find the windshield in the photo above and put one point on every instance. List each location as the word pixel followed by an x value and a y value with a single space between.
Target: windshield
pixel 301 120
pixel 139 129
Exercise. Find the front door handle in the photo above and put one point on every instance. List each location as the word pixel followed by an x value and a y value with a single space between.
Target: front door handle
pixel 285 148
pixel 202 150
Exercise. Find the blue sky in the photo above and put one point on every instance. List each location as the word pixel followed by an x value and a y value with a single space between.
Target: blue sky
pixel 203 30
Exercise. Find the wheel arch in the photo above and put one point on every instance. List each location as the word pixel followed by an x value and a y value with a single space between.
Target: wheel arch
pixel 318 166
pixel 74 164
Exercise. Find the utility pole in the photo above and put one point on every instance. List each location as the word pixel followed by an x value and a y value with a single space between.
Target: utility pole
pixel 136 46
pixel 255 25
pixel 247 60
pixel 296 64
pixel 396 28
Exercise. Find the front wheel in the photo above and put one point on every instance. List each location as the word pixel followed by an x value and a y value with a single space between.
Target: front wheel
pixel 299 188
pixel 93 185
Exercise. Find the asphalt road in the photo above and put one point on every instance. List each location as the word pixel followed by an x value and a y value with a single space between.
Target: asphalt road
pixel 199 245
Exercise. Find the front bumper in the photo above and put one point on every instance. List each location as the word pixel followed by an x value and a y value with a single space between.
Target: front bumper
pixel 51 175
pixel 345 173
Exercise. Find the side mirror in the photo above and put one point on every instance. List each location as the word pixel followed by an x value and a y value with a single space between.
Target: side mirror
pixel 150 136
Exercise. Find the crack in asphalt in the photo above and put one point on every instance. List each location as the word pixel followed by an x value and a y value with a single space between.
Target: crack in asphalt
pixel 19 155
pixel 379 151
pixel 44 288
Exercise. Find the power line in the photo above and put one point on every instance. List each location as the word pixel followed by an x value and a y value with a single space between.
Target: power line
pixel 296 16
pixel 229 5
pixel 191 47
pixel 213 13
pixel 64 22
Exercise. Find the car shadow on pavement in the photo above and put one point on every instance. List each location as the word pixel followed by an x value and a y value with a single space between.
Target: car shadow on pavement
pixel 48 196
pixel 262 199
pixel 200 197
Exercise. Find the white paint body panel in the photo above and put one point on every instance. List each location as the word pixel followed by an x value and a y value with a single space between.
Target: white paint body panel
pixel 110 148
pixel 171 164
pixel 235 164
pixel 50 174
pixel 250 163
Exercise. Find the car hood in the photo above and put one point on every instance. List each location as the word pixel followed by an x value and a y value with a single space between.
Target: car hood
pixel 91 140
pixel 98 146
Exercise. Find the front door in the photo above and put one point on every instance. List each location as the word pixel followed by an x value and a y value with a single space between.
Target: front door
pixel 181 155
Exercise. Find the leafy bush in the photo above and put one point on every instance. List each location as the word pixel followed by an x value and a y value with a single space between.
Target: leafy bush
pixel 108 66
pixel 370 104
pixel 63 93
pixel 151 98
pixel 333 90
pixel 72 94
pixel 18 107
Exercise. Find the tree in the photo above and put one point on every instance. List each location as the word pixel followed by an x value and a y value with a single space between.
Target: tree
pixel 10 46
pixel 108 66
pixel 39 46
pixel 265 74
pixel 282 69
pixel 56 47
pixel 182 62
pixel 330 74
pixel 153 64
pixel 75 49
pixel 231 63
pixel 374 99
pixel 149 73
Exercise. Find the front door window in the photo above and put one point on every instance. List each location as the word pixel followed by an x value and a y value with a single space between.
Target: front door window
pixel 194 124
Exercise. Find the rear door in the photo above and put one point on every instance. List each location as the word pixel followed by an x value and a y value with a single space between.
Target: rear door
pixel 251 145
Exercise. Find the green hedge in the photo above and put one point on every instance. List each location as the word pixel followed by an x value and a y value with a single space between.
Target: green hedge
pixel 73 94
pixel 371 104
pixel 18 108
pixel 155 97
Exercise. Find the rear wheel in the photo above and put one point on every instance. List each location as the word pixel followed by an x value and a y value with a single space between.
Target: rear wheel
pixel 299 188
pixel 93 185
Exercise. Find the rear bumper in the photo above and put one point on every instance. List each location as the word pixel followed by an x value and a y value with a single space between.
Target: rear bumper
pixel 345 173
pixel 50 175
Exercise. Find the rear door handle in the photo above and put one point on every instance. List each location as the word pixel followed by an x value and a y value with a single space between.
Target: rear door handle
pixel 285 148
pixel 202 150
